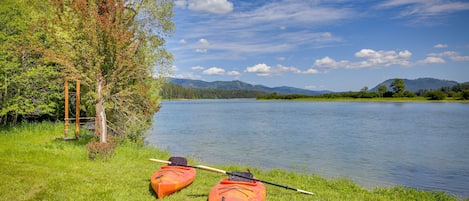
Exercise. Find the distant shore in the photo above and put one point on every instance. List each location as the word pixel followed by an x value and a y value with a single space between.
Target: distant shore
pixel 417 99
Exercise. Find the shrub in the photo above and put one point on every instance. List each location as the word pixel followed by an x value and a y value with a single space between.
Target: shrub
pixel 465 95
pixel 435 95
pixel 100 151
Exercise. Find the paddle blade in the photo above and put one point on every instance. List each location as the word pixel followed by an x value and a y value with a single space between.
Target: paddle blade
pixel 305 192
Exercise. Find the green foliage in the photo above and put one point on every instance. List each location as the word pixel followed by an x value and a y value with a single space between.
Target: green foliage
pixel 113 47
pixel 381 90
pixel 399 87
pixel 29 87
pixel 435 95
pixel 175 91
pixel 36 166
pixel 465 94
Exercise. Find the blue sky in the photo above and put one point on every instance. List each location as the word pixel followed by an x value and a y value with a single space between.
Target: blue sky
pixel 337 45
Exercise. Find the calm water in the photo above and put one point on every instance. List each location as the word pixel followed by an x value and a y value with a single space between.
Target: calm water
pixel 420 145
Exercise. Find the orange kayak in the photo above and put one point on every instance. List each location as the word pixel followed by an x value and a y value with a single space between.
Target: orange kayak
pixel 170 179
pixel 233 190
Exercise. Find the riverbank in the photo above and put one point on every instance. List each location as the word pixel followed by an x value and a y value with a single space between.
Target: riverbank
pixel 36 166
pixel 398 100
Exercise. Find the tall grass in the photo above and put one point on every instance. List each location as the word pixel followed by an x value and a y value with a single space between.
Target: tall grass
pixel 34 165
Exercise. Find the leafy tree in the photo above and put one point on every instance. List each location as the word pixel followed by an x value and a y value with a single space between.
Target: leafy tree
pixel 435 95
pixel 382 89
pixel 398 86
pixel 364 89
pixel 28 83
pixel 112 47
pixel 465 94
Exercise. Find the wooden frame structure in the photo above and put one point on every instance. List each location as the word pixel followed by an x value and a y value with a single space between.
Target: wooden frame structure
pixel 77 109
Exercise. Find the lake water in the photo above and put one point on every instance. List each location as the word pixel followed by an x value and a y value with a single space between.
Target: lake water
pixel 419 145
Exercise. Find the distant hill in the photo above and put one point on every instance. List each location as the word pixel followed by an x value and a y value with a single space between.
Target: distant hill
pixel 420 83
pixel 239 85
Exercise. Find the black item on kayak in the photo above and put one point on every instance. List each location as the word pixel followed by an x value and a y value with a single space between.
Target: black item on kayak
pixel 243 176
pixel 178 161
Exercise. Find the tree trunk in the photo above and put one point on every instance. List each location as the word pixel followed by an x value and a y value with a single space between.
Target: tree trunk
pixel 100 122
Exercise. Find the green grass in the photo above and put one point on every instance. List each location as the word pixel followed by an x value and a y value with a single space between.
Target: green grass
pixel 36 166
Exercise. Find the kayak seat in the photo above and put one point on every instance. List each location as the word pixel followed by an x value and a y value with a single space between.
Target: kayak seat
pixel 243 176
pixel 178 161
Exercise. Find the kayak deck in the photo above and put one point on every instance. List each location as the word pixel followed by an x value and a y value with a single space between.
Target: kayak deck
pixel 227 190
pixel 170 179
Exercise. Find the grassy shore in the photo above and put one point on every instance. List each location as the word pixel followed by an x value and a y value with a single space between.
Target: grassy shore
pixel 36 166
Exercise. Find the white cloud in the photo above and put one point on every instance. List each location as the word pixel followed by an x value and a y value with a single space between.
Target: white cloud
pixel 311 71
pixel 182 41
pixel 197 68
pixel 455 56
pixel 202 45
pixel 211 6
pixel 371 59
pixel 214 71
pixel 174 68
pixel 425 9
pixel 187 76
pixel 180 3
pixel 258 68
pixel 281 68
pixel 233 73
pixel 432 60
pixel 382 58
pixel 328 62
pixel 295 12
pixel 201 50
pixel 203 42
pixel 440 46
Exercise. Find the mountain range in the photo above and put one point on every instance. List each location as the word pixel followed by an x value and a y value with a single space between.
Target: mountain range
pixel 239 85
pixel 420 83
pixel 411 85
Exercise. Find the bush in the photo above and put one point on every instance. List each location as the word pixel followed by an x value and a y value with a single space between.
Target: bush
pixel 435 95
pixel 409 94
pixel 100 151
pixel 465 95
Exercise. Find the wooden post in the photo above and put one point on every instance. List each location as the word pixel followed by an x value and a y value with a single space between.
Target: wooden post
pixel 77 111
pixel 66 109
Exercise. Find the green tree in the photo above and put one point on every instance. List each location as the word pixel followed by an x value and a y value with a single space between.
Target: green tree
pixel 382 89
pixel 399 87
pixel 364 89
pixel 28 83
pixel 465 94
pixel 113 47
pixel 435 95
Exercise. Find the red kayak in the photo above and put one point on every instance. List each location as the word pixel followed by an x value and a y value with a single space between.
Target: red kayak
pixel 173 177
pixel 238 189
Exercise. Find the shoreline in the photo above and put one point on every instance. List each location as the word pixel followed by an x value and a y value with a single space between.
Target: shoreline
pixel 39 167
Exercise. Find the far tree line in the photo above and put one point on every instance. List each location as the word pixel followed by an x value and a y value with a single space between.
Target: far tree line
pixel 175 91
pixel 397 90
